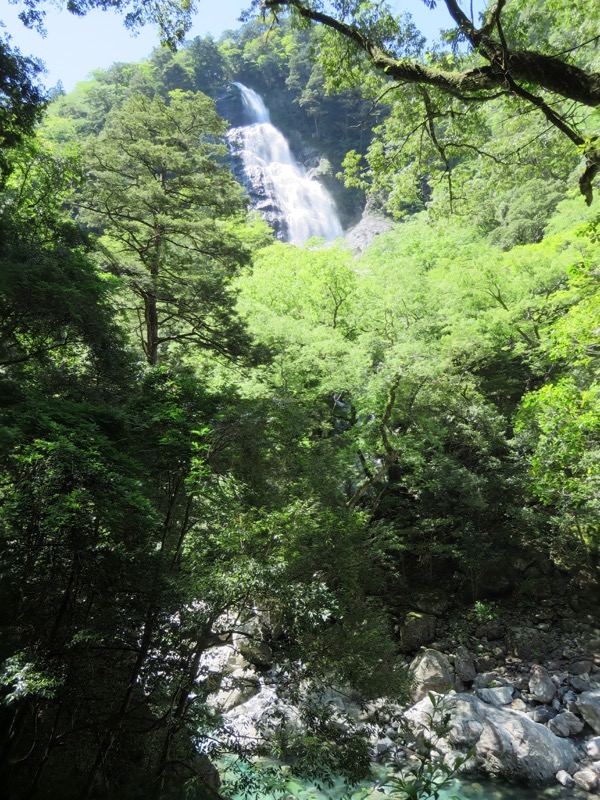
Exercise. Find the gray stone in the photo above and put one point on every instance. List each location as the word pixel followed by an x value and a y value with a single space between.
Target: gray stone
pixel 579 684
pixel 506 743
pixel 371 225
pixel 542 714
pixel 384 746
pixel 418 630
pixel 529 643
pixel 580 667
pixel 541 686
pixel 498 696
pixel 431 672
pixel 464 664
pixel 489 680
pixel 589 705
pixel 592 748
pixel 586 779
pixel 485 663
pixel 567 695
pixel 565 724
pixel 566 780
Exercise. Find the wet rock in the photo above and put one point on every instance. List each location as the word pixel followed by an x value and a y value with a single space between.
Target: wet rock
pixel 464 665
pixel 528 643
pixel 418 630
pixel 565 724
pixel 432 672
pixel 586 779
pixel 589 705
pixel 541 686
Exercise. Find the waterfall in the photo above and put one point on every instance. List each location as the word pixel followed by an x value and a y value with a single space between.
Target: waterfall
pixel 294 204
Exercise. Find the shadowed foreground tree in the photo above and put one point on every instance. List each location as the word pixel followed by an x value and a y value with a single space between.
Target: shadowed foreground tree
pixel 21 100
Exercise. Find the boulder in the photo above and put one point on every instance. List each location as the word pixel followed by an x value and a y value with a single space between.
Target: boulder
pixel 592 748
pixel 507 744
pixel 487 680
pixel 528 643
pixel 542 714
pixel 541 686
pixel 464 665
pixel 433 602
pixel 580 667
pixel 431 672
pixel 263 717
pixel 418 630
pixel 586 779
pixel 565 724
pixel 491 629
pixel 371 225
pixel 497 696
pixel 589 705
pixel 579 684
pixel 563 777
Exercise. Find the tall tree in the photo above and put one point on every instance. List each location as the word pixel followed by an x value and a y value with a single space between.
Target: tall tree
pixel 169 207
pixel 368 32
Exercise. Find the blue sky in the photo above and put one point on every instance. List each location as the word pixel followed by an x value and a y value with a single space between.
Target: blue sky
pixel 74 46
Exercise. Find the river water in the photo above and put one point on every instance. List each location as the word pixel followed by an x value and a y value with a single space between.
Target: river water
pixel 469 789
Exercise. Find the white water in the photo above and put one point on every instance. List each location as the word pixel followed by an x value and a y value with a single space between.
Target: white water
pixel 272 172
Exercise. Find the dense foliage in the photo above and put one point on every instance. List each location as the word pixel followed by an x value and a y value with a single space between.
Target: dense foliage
pixel 201 427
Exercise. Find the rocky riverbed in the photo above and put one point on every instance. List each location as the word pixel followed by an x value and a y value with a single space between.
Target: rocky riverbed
pixel 521 693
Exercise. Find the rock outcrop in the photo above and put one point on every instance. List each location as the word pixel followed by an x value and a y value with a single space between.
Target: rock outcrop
pixel 506 744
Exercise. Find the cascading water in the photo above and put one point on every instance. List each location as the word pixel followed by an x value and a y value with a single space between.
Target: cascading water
pixel 296 206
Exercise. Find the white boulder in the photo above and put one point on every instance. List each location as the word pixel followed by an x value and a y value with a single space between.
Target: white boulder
pixel 506 744
pixel 431 672
pixel 589 706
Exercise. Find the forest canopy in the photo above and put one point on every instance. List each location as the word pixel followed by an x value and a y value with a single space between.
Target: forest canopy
pixel 212 439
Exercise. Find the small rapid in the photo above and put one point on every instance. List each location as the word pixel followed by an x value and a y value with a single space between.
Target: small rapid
pixel 297 206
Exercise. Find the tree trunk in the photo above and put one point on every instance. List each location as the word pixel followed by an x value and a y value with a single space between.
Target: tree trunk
pixel 151 322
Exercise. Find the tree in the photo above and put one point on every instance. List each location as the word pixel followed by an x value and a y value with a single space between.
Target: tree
pixel 501 68
pixel 170 213
pixel 21 100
